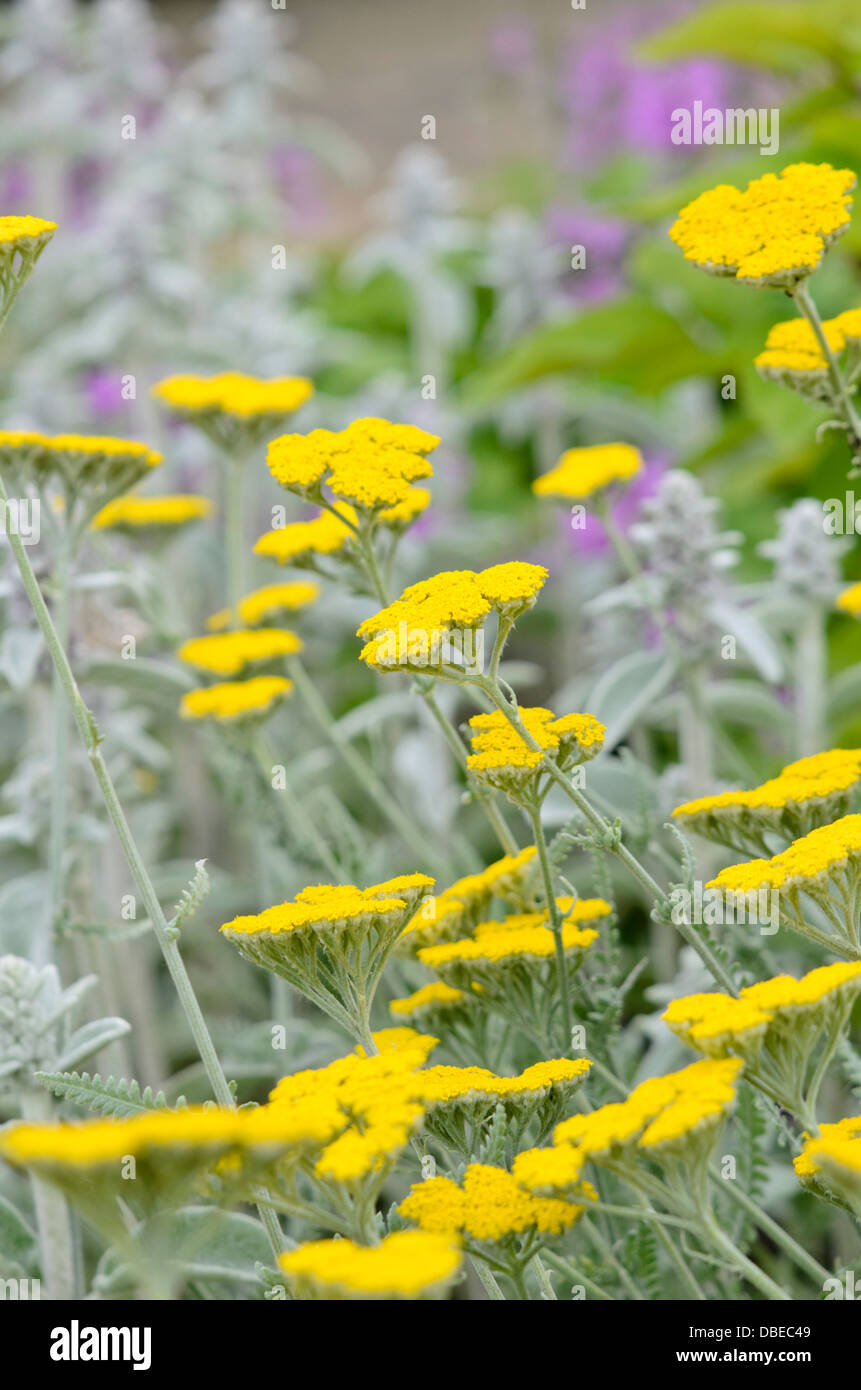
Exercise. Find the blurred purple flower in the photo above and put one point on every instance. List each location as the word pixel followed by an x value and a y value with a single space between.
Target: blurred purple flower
pixel 14 187
pixel 605 240
pixel 512 46
pixel 103 392
pixel 592 537
pixel 295 171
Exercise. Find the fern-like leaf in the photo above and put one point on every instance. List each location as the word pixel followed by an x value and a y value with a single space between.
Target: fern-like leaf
pixel 115 1096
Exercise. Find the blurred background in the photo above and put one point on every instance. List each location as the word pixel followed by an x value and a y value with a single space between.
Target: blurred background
pixel 386 196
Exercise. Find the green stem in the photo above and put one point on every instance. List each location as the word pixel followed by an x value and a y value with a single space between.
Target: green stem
pixel 234 526
pixel 534 812
pixel 297 821
pixel 52 1214
pixel 771 1228
pixel 810 680
pixel 91 738
pixel 59 756
pixel 842 396
pixel 397 817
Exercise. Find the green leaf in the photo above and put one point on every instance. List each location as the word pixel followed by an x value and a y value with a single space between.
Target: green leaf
pixel 631 342
pixel 114 1097
pixel 623 694
pixel 142 676
pixel 20 649
pixel 17 1240
pixel 785 38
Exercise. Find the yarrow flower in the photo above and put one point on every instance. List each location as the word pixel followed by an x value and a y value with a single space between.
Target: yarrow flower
pixel 773 233
pixel 434 624
pixel 462 1101
pixel 458 908
pixel 503 759
pixel 22 241
pixel 89 470
pixel 830 1163
pixel 823 866
pixel 794 357
pixel 780 1028
pixel 227 653
pixel 371 465
pixel 414 1265
pixel 332 942
pixel 488 1207
pixel 134 514
pixel 671 1120
pixel 580 473
pixel 265 603
pixel 807 793
pixel 172 1154
pixel 236 701
pixel 236 411
pixel 849 601
pixel 300 542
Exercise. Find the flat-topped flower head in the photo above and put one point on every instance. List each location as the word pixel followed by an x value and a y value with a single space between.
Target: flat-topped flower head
pixel 775 232
pixel 90 470
pixel 299 542
pixel 434 625
pixel 580 473
pixel 174 1153
pixel 332 942
pixel 461 963
pixel 231 702
pixel 672 1120
pixel 794 357
pixel 458 908
pixel 461 1102
pixel 808 793
pixel 234 410
pixel 228 653
pixel 371 465
pixel 430 1006
pixel 503 759
pixel 263 604
pixel 413 1265
pixel 22 241
pixel 823 865
pixel 830 1163
pixel 778 1026
pixel 488 1206
pixel 160 515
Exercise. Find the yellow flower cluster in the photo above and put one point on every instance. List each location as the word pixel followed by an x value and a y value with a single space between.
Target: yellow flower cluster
pixel 100 1143
pixel 502 758
pixel 416 631
pixel 488 1206
pixel 84 449
pixel 807 861
pixel 233 393
pixel 775 232
pixel 830 1163
pixel 459 907
pixel 370 464
pixel 227 653
pixel 364 1108
pixel 666 1116
pixel 582 472
pixel 21 232
pixel 299 541
pixel 812 789
pixel 231 700
pixel 329 907
pixel 410 1265
pixel 718 1024
pixel 440 1085
pixel 429 1000
pixel 132 513
pixel 507 946
pixel 263 603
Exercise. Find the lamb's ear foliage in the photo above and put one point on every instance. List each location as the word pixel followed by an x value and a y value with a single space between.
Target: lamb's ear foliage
pixel 115 1097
